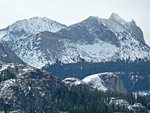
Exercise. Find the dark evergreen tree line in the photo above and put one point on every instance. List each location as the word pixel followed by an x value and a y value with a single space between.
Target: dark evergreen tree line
pixel 82 100
pixel 83 69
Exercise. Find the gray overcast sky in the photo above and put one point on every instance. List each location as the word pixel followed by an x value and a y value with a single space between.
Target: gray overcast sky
pixel 72 11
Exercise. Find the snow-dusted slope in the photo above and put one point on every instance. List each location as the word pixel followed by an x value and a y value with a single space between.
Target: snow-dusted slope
pixel 40 49
pixel 21 85
pixel 98 52
pixel 136 107
pixel 107 81
pixel 28 26
pixel 95 81
pixel 94 40
pixel 132 49
pixel 36 24
pixel 73 81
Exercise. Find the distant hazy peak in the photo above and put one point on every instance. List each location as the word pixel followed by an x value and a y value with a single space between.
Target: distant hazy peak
pixel 132 22
pixel 91 18
pixel 117 18
pixel 36 24
pixel 25 27
pixel 36 18
pixel 40 19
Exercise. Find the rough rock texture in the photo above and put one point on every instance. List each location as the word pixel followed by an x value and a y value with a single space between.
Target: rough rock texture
pixel 6 55
pixel 39 43
pixel 93 39
pixel 24 89
pixel 101 81
pixel 135 31
pixel 113 82
pixel 136 107
pixel 73 81
pixel 26 27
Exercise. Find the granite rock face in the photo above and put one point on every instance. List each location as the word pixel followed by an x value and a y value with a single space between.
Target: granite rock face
pixel 40 41
pixel 7 55
pixel 24 89
pixel 101 81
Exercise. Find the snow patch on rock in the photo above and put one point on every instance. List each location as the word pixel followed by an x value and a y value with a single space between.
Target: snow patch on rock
pixel 73 81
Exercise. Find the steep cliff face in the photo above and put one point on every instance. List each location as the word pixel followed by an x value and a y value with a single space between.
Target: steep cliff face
pixel 101 81
pixel 131 27
pixel 93 45
pixel 24 89
pixel 113 82
pixel 6 55
pixel 40 41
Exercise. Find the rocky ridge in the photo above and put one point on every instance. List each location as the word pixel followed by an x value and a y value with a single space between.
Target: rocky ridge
pixel 93 39
pixel 102 81
pixel 24 89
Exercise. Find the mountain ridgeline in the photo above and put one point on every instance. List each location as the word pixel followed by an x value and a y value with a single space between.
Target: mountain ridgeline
pixel 93 39
pixel 94 45
pixel 101 64
pixel 106 82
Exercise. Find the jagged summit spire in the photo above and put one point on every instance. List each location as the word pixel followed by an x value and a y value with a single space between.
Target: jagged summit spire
pixel 117 18
pixel 133 21
pixel 92 18
pixel 114 16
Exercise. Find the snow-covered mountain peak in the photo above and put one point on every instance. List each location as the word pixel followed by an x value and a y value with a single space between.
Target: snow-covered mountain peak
pixel 117 18
pixel 36 24
pixel 133 21
pixel 95 24
pixel 25 27
pixel 90 21
pixel 93 39
pixel 92 18
pixel 114 16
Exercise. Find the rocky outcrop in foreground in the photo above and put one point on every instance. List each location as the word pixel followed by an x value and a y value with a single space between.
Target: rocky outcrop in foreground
pixel 24 89
pixel 102 81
